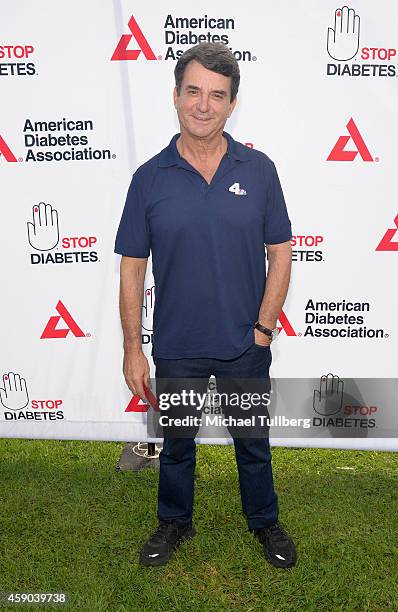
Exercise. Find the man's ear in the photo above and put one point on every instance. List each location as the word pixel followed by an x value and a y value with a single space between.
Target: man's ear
pixel 175 96
pixel 232 106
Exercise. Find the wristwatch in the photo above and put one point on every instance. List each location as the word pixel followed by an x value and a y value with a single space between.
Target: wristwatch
pixel 271 333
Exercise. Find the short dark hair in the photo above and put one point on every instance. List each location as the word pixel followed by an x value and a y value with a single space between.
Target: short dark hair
pixel 213 56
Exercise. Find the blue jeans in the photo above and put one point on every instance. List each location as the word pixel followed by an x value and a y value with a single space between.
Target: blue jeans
pixel 253 455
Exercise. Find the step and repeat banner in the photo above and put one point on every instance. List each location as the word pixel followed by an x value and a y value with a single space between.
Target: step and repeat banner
pixel 86 97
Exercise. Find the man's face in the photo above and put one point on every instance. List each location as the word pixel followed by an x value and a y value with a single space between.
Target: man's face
pixel 203 105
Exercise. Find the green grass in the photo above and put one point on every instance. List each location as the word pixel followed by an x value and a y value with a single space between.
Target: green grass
pixel 69 522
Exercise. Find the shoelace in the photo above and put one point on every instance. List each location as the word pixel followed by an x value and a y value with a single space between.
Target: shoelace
pixel 275 531
pixel 163 531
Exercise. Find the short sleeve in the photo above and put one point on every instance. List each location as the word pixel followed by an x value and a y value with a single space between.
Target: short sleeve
pixel 277 226
pixel 133 236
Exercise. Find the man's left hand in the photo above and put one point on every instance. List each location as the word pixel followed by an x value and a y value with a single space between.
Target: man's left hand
pixel 261 339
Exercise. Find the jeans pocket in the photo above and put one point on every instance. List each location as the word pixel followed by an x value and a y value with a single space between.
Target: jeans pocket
pixel 266 347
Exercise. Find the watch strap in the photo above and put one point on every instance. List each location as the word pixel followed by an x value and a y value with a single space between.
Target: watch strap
pixel 264 330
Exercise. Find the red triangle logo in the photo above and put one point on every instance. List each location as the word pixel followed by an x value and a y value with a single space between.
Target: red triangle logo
pixel 6 151
pixel 122 53
pixel 387 243
pixel 137 405
pixel 339 153
pixel 286 325
pixel 51 330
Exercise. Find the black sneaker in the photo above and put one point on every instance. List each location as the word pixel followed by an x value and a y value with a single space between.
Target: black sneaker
pixel 160 546
pixel 279 548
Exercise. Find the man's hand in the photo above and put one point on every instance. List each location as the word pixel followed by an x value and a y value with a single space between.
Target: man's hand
pixel 137 373
pixel 261 339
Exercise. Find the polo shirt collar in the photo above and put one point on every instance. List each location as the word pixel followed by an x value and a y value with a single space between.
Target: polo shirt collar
pixel 171 157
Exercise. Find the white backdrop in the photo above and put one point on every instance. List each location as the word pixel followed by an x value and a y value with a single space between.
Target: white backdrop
pixel 306 96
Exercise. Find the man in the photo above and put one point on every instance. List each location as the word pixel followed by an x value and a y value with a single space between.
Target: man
pixel 205 206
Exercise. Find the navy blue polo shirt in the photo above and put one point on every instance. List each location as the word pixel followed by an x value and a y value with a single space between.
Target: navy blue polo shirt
pixel 207 243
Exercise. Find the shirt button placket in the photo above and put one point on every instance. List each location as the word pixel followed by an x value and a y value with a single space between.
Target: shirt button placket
pixel 205 188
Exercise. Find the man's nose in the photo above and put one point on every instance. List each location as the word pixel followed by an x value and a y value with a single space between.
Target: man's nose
pixel 203 103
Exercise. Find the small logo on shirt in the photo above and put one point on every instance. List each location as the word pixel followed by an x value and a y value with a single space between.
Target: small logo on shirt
pixel 236 189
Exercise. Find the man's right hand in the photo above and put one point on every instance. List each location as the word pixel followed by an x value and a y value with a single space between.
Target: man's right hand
pixel 137 373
